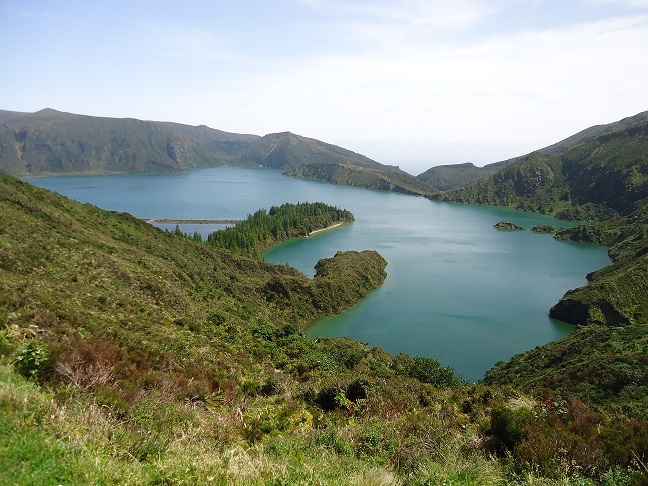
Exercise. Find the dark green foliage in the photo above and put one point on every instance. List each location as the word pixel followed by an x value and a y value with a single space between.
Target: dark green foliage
pixel 508 427
pixel 593 179
pixel 32 359
pixel 599 364
pixel 544 228
pixel 427 370
pixel 618 294
pixel 262 229
pixel 505 225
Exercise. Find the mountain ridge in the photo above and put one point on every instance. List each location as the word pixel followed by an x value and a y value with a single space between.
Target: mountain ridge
pixel 454 176
pixel 51 142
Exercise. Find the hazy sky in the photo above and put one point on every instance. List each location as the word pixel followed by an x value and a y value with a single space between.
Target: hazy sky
pixel 406 82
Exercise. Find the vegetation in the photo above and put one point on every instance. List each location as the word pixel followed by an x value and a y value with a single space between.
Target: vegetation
pixel 455 176
pixel 618 294
pixel 368 177
pixel 265 228
pixel 449 177
pixel 133 356
pixel 594 179
pixel 52 142
pixel 506 225
pixel 602 178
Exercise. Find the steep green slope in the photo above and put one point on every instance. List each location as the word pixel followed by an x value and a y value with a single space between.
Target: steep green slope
pixel 600 364
pixel 455 176
pixel 618 294
pixel 593 179
pixel 52 142
pixel 594 131
pixel 286 151
pixel 392 179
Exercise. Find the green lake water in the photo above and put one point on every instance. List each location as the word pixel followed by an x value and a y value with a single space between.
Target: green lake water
pixel 457 290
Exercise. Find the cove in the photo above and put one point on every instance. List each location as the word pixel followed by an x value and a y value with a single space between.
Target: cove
pixel 457 290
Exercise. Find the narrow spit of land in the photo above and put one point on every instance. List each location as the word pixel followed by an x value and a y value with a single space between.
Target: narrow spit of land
pixel 196 221
pixel 327 228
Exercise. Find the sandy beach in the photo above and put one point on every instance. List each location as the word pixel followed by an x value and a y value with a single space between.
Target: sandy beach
pixel 327 228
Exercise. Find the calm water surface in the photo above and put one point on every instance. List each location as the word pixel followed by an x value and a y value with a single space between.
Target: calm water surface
pixel 457 289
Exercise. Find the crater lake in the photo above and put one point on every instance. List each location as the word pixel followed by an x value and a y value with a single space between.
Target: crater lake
pixel 457 289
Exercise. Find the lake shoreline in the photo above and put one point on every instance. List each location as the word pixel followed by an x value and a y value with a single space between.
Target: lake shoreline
pixel 336 225
pixel 195 221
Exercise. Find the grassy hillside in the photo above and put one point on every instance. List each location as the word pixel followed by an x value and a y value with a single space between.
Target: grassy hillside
pixel 52 142
pixel 455 176
pixel 618 294
pixel 287 151
pixel 599 364
pixel 133 356
pixel 595 131
pixel 368 177
pixel 594 179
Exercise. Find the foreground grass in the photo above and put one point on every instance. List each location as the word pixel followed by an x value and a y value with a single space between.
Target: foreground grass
pixel 44 442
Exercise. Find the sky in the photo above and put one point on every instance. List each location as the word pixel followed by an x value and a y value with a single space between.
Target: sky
pixel 412 83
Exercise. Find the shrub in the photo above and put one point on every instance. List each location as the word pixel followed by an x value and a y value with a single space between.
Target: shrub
pixel 427 370
pixel 32 359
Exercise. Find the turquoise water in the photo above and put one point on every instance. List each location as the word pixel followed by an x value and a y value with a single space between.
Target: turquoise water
pixel 457 290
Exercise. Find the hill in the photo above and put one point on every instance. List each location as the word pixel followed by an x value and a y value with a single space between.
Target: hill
pixel 308 158
pixel 449 177
pixel 382 179
pixel 593 179
pixel 51 142
pixel 595 131
pixel 288 151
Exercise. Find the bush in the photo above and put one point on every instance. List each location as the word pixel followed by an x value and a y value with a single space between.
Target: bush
pixel 32 360
pixel 427 370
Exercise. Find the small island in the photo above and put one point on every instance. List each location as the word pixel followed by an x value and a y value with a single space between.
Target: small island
pixel 505 225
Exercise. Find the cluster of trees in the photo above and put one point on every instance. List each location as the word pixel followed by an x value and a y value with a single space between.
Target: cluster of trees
pixel 264 228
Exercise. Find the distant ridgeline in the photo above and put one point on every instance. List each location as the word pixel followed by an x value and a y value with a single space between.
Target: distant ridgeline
pixel 455 176
pixel 265 228
pixel 51 142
